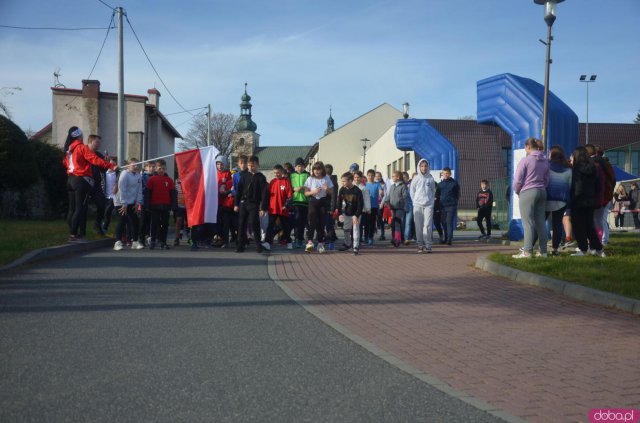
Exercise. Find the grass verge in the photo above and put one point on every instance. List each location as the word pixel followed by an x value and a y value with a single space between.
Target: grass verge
pixel 618 273
pixel 21 236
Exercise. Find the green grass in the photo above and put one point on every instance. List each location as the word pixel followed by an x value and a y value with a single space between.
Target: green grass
pixel 21 236
pixel 618 273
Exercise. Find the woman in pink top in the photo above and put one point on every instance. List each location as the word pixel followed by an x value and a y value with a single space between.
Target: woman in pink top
pixel 530 183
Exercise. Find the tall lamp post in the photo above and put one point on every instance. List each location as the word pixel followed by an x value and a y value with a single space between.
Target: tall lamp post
pixel 583 78
pixel 549 18
pixel 364 153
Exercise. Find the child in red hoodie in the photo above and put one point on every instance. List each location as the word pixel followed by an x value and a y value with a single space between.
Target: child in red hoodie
pixel 225 201
pixel 162 196
pixel 280 193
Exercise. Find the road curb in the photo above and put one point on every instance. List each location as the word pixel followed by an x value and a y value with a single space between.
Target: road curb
pixel 389 358
pixel 568 289
pixel 48 253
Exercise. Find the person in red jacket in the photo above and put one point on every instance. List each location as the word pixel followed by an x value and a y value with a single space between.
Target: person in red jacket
pixel 162 195
pixel 77 161
pixel 280 194
pixel 225 201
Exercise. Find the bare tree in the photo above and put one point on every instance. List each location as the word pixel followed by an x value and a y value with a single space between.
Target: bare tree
pixel 4 91
pixel 222 125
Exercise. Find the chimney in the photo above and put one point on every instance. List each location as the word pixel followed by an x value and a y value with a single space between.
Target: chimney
pixel 90 88
pixel 154 97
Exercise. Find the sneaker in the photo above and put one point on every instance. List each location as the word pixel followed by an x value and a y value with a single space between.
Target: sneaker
pixel 370 241
pixel 522 255
pixel 569 244
pixel 331 246
pixel 164 246
pixel 309 247
pixel 289 246
pixel 137 246
pixel 420 249
pixel 356 251
pixel 151 244
pixel 118 246
pixel 591 252
pixel 481 237
pixel 148 240
pixel 554 253
pixel 176 243
pixel 344 247
pixel 266 246
pixel 225 245
pixel 600 253
pixel 541 255
pixel 578 254
pixel 321 249
pixel 73 239
pixel 428 250
pixel 407 242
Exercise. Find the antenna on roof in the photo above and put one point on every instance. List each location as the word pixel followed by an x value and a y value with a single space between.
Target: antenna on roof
pixel 56 79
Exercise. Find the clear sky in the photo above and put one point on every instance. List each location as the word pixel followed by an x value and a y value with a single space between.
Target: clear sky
pixel 299 57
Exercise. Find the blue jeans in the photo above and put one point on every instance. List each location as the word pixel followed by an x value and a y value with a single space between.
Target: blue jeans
pixel 408 219
pixel 448 218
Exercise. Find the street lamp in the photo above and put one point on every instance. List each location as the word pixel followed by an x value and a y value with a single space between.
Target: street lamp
pixel 405 110
pixel 364 153
pixel 583 78
pixel 549 18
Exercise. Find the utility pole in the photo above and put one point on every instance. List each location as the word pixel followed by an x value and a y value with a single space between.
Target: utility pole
pixel 121 118
pixel 209 125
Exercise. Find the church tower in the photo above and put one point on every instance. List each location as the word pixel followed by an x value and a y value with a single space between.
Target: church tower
pixel 244 138
pixel 330 124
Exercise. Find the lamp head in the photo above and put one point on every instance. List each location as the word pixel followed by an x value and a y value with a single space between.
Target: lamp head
pixel 549 9
pixel 405 110
pixel 583 77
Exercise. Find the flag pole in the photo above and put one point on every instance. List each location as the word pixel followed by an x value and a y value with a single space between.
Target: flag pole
pixel 164 157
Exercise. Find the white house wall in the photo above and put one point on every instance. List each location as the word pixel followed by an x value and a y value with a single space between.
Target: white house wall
pixel 343 147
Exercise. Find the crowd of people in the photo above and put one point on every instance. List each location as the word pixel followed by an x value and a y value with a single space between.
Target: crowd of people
pixel 303 209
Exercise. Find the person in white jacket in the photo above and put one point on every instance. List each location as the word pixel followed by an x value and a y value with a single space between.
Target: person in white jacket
pixel 128 202
pixel 423 192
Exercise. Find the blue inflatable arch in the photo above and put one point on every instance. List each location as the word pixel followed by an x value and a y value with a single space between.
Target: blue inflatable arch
pixel 515 104
pixel 419 136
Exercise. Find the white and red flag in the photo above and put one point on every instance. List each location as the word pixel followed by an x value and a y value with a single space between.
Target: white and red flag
pixel 199 178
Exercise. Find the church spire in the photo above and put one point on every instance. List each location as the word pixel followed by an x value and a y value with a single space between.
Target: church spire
pixel 330 124
pixel 245 123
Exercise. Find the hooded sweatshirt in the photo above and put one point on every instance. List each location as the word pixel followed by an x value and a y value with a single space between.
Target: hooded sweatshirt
pixel 584 181
pixel 129 189
pixel 532 173
pixel 423 187
pixel 79 159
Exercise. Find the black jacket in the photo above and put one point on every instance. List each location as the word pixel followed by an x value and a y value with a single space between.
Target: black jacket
pixel 584 185
pixel 253 189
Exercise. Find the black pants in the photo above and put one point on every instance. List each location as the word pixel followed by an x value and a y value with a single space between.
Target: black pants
pixel 619 220
pixel 249 215
pixel 636 221
pixel 437 222
pixel 98 198
pixel 145 225
pixel 159 224
pixel 78 190
pixel 397 223
pixel 284 225
pixel 330 227
pixel 584 229
pixel 484 214
pixel 380 222
pixel 225 221
pixel 317 210
pixel 371 223
pixel 556 226
pixel 301 221
pixel 129 223
pixel 108 214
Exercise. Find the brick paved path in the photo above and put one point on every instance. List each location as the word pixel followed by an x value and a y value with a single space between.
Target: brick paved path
pixel 524 350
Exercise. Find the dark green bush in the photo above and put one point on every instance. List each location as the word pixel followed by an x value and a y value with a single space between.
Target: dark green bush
pixel 49 161
pixel 18 167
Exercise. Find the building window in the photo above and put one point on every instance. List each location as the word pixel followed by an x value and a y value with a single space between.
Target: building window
pixel 617 158
pixel 395 165
pixel 388 171
pixel 401 164
pixel 241 142
pixel 407 162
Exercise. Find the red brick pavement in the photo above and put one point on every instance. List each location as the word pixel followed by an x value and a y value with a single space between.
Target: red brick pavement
pixel 527 351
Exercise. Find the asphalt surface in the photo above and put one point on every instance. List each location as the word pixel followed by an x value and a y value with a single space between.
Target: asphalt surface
pixel 181 336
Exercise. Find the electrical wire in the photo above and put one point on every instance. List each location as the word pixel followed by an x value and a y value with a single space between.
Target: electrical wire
pixel 50 28
pixel 97 58
pixel 190 119
pixel 110 7
pixel 154 69
pixel 185 111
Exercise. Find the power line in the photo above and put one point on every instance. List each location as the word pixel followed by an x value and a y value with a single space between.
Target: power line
pixel 189 120
pixel 50 28
pixel 110 7
pixel 185 111
pixel 154 69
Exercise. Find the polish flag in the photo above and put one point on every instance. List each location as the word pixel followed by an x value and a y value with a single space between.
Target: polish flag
pixel 199 178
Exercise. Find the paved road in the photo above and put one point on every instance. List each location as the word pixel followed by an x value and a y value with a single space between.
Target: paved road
pixel 181 336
